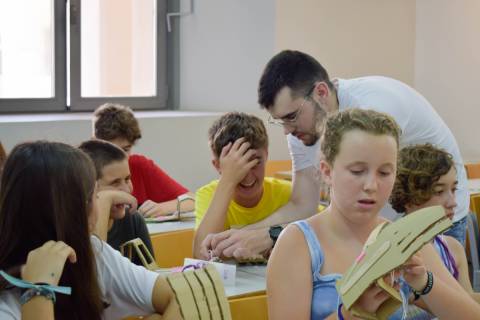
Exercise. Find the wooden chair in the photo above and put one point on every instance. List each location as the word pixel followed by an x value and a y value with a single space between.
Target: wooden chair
pixel 274 166
pixel 171 248
pixel 475 204
pixel 251 307
pixel 473 170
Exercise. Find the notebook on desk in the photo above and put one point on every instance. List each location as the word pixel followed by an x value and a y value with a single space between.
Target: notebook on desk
pixel 176 216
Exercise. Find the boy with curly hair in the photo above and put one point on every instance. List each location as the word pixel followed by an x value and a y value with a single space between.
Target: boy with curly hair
pixel 426 176
pixel 155 190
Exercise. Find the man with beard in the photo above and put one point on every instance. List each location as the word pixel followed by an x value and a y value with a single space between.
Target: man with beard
pixel 298 93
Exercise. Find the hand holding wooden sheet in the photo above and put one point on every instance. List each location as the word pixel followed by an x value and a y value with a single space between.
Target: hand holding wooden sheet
pixel 389 246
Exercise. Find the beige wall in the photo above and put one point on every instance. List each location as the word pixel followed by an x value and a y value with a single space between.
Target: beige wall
pixel 176 141
pixel 350 37
pixel 223 48
pixel 430 44
pixel 447 65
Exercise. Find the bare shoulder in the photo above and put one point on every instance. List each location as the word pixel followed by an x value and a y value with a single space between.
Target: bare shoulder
pixel 434 263
pixel 453 243
pixel 289 276
pixel 455 247
pixel 290 238
pixel 290 241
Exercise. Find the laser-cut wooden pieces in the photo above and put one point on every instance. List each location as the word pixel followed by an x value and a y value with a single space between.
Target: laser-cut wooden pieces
pixel 200 294
pixel 136 245
pixel 389 246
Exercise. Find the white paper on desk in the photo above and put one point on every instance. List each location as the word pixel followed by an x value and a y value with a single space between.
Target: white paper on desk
pixel 227 271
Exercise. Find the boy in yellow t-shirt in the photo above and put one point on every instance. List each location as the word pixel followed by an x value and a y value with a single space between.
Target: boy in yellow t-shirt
pixel 242 195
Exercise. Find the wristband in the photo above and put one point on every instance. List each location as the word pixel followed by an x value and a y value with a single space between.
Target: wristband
pixel 34 292
pixel 35 289
pixel 427 289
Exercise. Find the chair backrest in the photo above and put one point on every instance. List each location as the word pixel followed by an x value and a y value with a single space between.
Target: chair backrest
pixel 473 238
pixel 475 204
pixel 474 243
pixel 273 166
pixel 473 170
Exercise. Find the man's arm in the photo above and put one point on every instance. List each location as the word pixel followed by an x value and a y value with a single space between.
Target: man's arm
pixel 303 202
pixel 254 239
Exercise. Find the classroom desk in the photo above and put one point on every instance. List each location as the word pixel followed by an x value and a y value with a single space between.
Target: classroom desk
pixel 248 299
pixel 172 241
pixel 187 222
pixel 286 175
pixel 250 280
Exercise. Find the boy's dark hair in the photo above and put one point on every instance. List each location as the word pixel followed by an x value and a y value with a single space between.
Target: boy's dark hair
pixel 102 153
pixel 112 121
pixel 294 69
pixel 234 125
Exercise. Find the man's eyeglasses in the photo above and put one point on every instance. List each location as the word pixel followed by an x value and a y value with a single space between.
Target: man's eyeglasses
pixel 292 117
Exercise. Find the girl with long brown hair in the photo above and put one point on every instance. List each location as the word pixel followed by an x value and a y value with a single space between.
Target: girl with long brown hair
pixel 48 208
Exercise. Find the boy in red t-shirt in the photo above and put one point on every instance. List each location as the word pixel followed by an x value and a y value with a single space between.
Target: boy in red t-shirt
pixel 154 189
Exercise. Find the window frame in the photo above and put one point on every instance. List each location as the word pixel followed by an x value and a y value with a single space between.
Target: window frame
pixel 59 102
pixel 157 102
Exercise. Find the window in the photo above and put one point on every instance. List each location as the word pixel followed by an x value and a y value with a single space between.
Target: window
pixel 57 56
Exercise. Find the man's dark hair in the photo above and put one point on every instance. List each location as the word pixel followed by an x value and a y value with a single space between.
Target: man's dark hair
pixel 102 153
pixel 294 69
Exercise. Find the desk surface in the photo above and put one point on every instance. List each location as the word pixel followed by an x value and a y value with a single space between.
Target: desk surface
pixel 249 280
pixel 287 175
pixel 474 186
pixel 187 222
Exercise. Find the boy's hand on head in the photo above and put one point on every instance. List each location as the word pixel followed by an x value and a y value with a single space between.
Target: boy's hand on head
pixel 236 160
